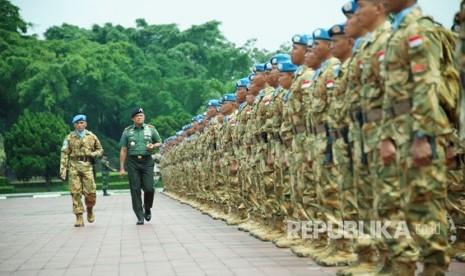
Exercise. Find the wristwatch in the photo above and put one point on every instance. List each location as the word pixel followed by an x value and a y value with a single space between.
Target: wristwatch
pixel 420 135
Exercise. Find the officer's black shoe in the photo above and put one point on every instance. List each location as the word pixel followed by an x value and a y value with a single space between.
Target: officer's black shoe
pixel 148 214
pixel 140 221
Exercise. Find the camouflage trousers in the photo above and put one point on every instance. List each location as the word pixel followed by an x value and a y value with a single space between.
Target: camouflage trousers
pixel 81 182
pixel 326 175
pixel 424 193
pixel 253 200
pixel 307 185
pixel 296 159
pixel 342 156
pixel 364 186
pixel 267 191
pixel 105 180
pixel 455 202
pixel 283 187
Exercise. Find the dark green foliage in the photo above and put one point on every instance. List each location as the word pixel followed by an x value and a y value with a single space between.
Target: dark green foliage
pixel 32 145
pixel 107 70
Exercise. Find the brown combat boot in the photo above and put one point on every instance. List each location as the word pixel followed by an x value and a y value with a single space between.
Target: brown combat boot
pixel 403 268
pixel 79 221
pixel 365 265
pixel 458 246
pixel 90 215
pixel 433 270
pixel 343 254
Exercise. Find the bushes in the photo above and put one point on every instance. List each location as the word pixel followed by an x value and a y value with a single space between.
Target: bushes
pixel 7 189
pixel 3 181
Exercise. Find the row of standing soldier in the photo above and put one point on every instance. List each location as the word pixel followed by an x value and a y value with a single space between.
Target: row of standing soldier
pixel 352 126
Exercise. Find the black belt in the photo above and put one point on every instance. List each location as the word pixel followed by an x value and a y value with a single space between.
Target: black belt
pixel 373 115
pixel 400 108
pixel 81 158
pixel 338 133
pixel 355 116
pixel 140 157
pixel 317 128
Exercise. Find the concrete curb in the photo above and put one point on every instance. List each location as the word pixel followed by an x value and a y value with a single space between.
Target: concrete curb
pixel 58 194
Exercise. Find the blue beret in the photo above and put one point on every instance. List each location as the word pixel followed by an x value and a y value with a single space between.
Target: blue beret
pixel 199 118
pixel 268 66
pixel 337 29
pixel 135 111
pixel 79 118
pixel 287 67
pixel 310 43
pixel 349 8
pixel 244 82
pixel 260 67
pixel 184 127
pixel 301 39
pixel 211 103
pixel 251 77
pixel 321 34
pixel 280 58
pixel 229 97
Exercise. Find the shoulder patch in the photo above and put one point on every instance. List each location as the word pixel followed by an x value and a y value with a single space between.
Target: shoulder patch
pixel 337 69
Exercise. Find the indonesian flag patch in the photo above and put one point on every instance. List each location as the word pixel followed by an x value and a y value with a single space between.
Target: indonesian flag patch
pixel 415 41
pixel 232 123
pixel 248 112
pixel 329 84
pixel 306 84
pixel 381 56
pixel 267 101
pixel 417 68
pixel 360 64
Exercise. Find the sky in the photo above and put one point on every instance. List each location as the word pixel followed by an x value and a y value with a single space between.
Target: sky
pixel 271 22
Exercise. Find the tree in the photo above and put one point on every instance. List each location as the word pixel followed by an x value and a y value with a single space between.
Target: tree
pixel 33 144
pixel 10 19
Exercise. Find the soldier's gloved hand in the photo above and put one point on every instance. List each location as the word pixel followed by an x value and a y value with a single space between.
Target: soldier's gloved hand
pixel 387 151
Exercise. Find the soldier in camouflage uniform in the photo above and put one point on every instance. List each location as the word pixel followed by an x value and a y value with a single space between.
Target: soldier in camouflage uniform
pixel 105 173
pixel 375 180
pixel 341 48
pixel 456 185
pixel 265 179
pixel 79 149
pixel 325 173
pixel 307 181
pixel 228 108
pixel 413 137
pixel 238 148
pixel 293 136
pixel 272 126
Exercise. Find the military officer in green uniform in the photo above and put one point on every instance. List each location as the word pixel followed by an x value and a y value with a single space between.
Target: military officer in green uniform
pixel 139 140
pixel 105 173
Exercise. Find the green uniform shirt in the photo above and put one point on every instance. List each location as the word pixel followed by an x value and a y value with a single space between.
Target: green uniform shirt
pixel 136 139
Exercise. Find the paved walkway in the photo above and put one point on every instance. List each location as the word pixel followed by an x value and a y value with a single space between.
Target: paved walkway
pixel 37 237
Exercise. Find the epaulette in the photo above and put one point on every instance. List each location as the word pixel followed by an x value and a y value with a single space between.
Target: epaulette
pixel 150 126
pixel 127 128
